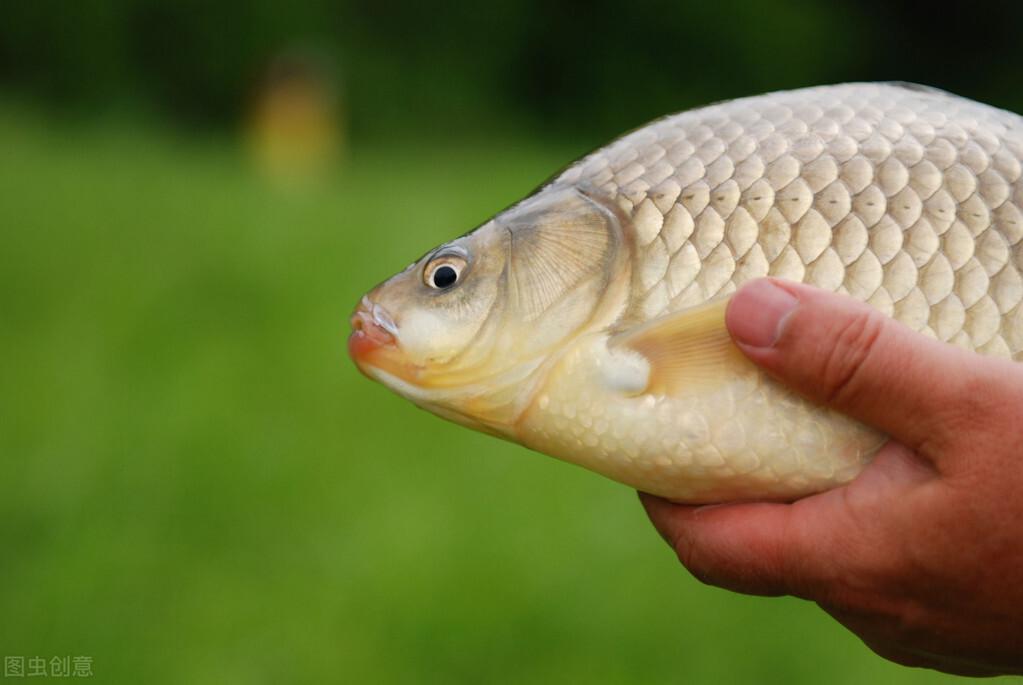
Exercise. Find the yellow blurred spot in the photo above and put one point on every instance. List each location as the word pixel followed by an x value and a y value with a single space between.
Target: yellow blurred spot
pixel 294 132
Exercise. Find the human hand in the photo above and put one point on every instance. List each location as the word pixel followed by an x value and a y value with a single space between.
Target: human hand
pixel 922 555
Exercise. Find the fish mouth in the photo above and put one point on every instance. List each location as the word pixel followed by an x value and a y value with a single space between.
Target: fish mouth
pixel 375 346
pixel 373 343
pixel 373 329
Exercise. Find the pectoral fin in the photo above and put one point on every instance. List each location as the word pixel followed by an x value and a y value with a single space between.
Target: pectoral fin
pixel 687 350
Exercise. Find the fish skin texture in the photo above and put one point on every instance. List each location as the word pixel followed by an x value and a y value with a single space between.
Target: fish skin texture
pixel 905 197
pixel 902 196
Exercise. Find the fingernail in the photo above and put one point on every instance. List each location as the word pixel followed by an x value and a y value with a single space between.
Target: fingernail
pixel 757 313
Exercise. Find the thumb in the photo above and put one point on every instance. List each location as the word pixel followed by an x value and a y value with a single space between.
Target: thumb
pixel 842 353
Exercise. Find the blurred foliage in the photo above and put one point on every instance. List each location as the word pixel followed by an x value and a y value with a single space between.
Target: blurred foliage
pixel 586 69
pixel 198 487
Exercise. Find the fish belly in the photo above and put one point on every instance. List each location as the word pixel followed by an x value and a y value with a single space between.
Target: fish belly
pixel 745 437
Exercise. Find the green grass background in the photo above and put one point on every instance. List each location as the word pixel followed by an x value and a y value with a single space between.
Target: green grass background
pixel 198 487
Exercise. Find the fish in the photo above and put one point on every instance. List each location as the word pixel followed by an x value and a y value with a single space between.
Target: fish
pixel 586 321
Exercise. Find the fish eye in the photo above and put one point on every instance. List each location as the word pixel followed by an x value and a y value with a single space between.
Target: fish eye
pixel 444 271
pixel 444 276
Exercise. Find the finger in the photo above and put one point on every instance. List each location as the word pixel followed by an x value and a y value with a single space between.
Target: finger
pixel 805 548
pixel 754 548
pixel 843 353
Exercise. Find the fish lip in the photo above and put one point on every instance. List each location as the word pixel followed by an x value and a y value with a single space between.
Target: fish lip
pixel 374 344
pixel 372 329
pixel 382 318
pixel 371 315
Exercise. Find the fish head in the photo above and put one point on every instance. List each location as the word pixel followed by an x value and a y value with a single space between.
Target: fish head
pixel 414 324
pixel 465 331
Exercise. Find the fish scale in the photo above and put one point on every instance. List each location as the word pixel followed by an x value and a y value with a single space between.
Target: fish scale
pixel 904 197
pixel 604 341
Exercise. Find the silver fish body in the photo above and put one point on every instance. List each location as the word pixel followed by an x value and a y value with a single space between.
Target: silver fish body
pixel 905 197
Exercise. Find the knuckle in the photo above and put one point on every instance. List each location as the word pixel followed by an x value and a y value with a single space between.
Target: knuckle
pixel 847 355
